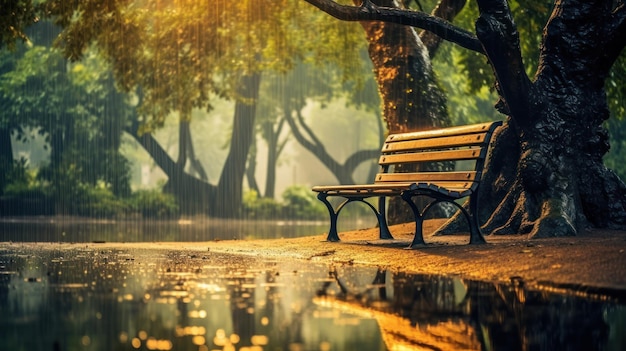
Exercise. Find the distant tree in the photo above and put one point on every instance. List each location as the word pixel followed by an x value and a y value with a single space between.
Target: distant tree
pixel 78 111
pixel 177 55
pixel 323 86
pixel 546 174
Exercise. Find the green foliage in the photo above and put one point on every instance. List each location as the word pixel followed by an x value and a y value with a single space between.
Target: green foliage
pixel 96 201
pixel 616 88
pixel 68 195
pixel 179 53
pixel 530 17
pixel 24 193
pixel 467 103
pixel 256 207
pixel 298 203
pixel 154 204
pixel 301 202
pixel 78 111
pixel 15 16
pixel 23 183
pixel 614 159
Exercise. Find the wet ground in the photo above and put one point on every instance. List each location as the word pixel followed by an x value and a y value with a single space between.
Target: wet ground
pixel 77 230
pixel 306 294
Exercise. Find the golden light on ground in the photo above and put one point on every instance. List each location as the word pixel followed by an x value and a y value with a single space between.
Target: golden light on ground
pixel 157 344
pixel 198 340
pixel 260 340
pixel 251 348
pixel 296 347
pixel 234 339
pixel 324 346
pixel 123 337
pixel 190 330
pixel 197 314
pixel 220 338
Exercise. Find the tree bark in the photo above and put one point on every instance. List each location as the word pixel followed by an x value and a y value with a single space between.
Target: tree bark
pixel 412 98
pixel 228 200
pixel 560 185
pixel 192 194
pixel 198 196
pixel 251 170
pixel 274 148
pixel 186 150
pixel 6 155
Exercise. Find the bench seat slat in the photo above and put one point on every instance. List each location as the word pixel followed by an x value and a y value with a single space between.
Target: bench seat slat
pixel 435 143
pixel 392 188
pixel 396 187
pixel 425 176
pixel 459 130
pixel 433 156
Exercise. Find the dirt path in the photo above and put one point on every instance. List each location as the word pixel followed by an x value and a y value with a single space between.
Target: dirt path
pixel 594 261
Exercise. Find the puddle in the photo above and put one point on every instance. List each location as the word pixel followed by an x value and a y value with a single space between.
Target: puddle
pixel 77 230
pixel 149 299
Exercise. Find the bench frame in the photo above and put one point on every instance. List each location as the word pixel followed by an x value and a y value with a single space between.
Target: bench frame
pixel 470 142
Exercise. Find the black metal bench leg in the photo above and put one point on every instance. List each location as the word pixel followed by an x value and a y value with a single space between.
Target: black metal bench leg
pixel 418 238
pixel 379 280
pixel 385 233
pixel 476 237
pixel 332 231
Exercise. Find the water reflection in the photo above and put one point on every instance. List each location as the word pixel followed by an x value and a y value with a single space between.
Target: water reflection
pixel 84 298
pixel 447 313
pixel 69 229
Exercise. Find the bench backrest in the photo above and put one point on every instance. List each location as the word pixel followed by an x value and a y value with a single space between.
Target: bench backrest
pixel 415 150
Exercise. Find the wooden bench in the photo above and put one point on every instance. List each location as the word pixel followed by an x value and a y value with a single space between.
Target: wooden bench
pixel 410 166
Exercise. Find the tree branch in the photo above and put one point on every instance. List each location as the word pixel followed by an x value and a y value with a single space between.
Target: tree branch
pixel 446 10
pixel 498 33
pixel 359 157
pixel 370 12
pixel 316 147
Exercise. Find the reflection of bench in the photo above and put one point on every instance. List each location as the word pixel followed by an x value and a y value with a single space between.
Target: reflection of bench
pixel 411 165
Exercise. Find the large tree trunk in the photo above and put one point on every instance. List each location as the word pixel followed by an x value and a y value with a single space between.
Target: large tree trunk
pixel 227 202
pixel 198 196
pixel 251 170
pixel 6 155
pixel 412 99
pixel 186 151
pixel 274 148
pixel 192 194
pixel 555 134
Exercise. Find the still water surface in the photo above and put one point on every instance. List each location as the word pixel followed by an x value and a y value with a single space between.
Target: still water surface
pixel 91 296
pixel 63 229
